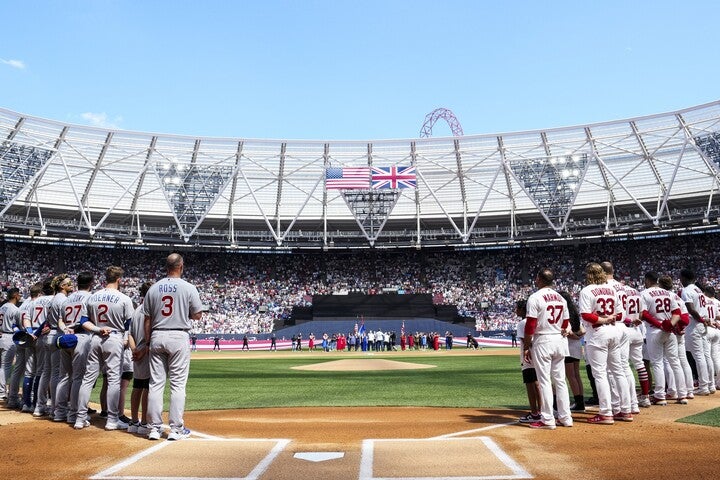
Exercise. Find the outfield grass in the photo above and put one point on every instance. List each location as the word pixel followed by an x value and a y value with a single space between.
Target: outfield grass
pixel 457 381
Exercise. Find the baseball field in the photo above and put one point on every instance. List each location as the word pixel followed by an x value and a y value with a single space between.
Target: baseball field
pixel 395 415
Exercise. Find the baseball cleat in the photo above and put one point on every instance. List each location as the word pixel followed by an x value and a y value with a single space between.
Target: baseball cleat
pixel 59 419
pixel 154 434
pixel 81 425
pixel 39 412
pixel 682 401
pixel 530 418
pixel 658 401
pixel 644 401
pixel 118 425
pixel 702 393
pixel 178 433
pixel 26 409
pixel 542 425
pixel 567 422
pixel 577 408
pixel 623 417
pixel 601 420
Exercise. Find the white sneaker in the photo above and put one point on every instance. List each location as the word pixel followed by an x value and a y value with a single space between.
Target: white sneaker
pixel 154 434
pixel 118 425
pixel 39 412
pixel 81 425
pixel 644 401
pixel 178 433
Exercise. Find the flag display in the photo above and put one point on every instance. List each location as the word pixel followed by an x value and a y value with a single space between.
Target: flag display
pixel 393 177
pixel 347 178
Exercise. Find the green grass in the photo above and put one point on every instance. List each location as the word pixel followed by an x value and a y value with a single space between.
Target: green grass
pixel 710 418
pixel 457 381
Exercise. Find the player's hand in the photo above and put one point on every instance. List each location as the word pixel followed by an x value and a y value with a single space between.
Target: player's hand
pixel 527 355
pixel 45 330
pixel 105 331
pixel 139 353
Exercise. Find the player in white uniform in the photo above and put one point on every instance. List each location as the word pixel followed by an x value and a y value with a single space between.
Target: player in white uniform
pixel 107 314
pixel 8 326
pixel 545 344
pixel 678 335
pixel 169 307
pixel 529 375
pixel 623 345
pixel 72 364
pixel 713 335
pixel 632 306
pixel 600 308
pixel 661 312
pixel 695 337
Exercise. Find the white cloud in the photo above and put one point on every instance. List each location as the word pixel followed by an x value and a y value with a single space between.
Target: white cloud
pixel 19 64
pixel 101 120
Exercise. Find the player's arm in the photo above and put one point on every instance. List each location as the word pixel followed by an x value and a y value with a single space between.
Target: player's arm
pixel 147 326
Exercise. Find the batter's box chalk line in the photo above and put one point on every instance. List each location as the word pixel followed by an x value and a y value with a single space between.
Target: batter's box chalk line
pixel 256 473
pixel 368 455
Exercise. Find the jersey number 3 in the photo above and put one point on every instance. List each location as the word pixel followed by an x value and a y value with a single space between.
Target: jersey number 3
pixel 167 309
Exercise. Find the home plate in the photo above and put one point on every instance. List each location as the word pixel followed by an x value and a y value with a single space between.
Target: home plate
pixel 318 456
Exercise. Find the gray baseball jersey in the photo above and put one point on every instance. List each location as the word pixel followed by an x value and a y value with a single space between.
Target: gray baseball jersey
pixel 170 302
pixel 108 308
pixel 54 310
pixel 8 317
pixel 73 307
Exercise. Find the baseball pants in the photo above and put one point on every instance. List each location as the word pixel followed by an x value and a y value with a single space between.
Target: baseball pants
pixel 169 352
pixel 603 354
pixel 696 343
pixel 548 354
pixel 663 346
pixel 7 357
pixel 107 352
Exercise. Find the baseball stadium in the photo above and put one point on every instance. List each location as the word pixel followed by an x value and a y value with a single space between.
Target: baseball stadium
pixel 312 246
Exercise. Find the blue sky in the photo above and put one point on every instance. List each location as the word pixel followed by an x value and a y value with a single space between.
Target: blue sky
pixel 353 70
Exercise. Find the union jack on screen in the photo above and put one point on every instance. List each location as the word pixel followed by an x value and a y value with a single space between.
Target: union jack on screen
pixel 393 177
pixel 347 178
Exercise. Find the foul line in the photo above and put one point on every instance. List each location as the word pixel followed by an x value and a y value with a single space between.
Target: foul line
pixel 475 430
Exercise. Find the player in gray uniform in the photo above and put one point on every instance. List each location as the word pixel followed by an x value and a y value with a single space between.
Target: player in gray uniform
pixel 107 315
pixel 29 353
pixel 43 349
pixel 8 321
pixel 72 364
pixel 13 380
pixel 169 307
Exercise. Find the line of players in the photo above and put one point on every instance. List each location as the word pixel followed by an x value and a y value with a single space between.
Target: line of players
pixel 73 336
pixel 677 335
pixel 76 334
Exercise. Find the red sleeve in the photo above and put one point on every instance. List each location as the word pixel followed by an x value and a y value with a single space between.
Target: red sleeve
pixel 618 317
pixel 530 326
pixel 684 319
pixel 590 317
pixel 651 320
pixel 676 311
pixel 565 324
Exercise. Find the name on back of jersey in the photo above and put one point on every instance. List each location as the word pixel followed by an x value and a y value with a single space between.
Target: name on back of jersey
pixel 167 288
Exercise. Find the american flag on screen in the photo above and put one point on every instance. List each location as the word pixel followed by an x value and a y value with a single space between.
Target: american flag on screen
pixel 347 178
pixel 393 177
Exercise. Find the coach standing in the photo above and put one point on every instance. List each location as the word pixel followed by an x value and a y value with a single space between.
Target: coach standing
pixel 169 305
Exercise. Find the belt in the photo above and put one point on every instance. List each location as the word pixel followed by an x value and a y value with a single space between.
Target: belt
pixel 172 329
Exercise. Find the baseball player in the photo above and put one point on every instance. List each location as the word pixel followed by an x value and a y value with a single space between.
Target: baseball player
pixel 600 308
pixel 672 391
pixel 695 338
pixel 107 315
pixel 546 346
pixel 661 312
pixel 8 326
pixel 30 353
pixel 72 364
pixel 532 387
pixel 632 306
pixel 169 307
pixel 13 382
pixel 572 361
pixel 43 349
pixel 623 345
pixel 713 333
pixel 62 286
pixel 141 364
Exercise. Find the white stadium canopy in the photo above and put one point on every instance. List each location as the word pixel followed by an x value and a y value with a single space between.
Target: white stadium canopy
pixel 630 176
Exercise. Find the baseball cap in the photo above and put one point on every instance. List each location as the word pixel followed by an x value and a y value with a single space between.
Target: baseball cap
pixel 66 341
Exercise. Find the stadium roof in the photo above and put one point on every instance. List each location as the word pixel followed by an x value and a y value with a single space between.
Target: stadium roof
pixel 631 175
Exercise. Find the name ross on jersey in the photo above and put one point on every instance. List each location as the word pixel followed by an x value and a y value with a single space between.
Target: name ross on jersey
pixel 167 288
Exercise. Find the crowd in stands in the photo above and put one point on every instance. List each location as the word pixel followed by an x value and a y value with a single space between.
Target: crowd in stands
pixel 250 293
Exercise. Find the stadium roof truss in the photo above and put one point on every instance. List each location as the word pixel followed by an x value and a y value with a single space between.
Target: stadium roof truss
pixel 633 175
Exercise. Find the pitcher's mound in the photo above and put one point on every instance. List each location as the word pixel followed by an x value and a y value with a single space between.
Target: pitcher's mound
pixel 362 365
